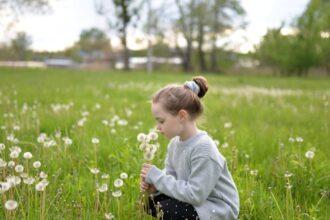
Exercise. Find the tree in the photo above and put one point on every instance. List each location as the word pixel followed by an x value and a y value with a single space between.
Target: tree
pixel 126 11
pixel 20 45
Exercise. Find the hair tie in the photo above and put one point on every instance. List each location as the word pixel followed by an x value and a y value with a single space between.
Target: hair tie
pixel 193 86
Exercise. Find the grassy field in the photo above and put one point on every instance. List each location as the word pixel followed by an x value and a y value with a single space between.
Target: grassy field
pixel 274 133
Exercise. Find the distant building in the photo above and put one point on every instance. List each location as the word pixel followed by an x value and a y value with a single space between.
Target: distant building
pixel 60 62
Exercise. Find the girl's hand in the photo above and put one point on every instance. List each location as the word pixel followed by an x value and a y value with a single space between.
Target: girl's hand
pixel 145 187
pixel 145 169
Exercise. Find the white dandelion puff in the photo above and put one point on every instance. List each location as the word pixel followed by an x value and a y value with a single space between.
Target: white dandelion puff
pixel 4 187
pixel 227 125
pixel 11 164
pixel 291 139
pixel 141 137
pixel 27 155
pixel 43 175
pixel 2 146
pixel 94 170
pixel 29 180
pixel 67 141
pixel 299 139
pixel 19 168
pixel 123 175
pixel 11 205
pixel 118 183
pixel 14 154
pixel 109 216
pixel 95 140
pixel 116 193
pixel 37 164
pixel 153 136
pixel 309 154
pixel 105 176
pixel 103 188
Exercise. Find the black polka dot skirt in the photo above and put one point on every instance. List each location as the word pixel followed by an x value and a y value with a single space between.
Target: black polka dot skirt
pixel 168 208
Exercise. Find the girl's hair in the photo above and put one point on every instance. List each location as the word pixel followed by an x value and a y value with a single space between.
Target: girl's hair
pixel 177 97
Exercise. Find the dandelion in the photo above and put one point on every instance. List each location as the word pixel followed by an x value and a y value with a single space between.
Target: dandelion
pixel 288 186
pixel 118 183
pixel 123 175
pixel 299 139
pixel 227 125
pixel 2 146
pixel 67 141
pixel 225 145
pixel 109 216
pixel 122 122
pixel 141 137
pixel 37 164
pixel 16 128
pixel 254 172
pixel 85 113
pixel 13 180
pixel 149 156
pixel 11 164
pixel 11 205
pixel 42 138
pixel 43 175
pixel 105 122
pixel 103 188
pixel 288 174
pixel 291 139
pixel 94 170
pixel 58 134
pixel 40 187
pixel 27 155
pixel 11 137
pixel 19 168
pixel 309 154
pixel 153 136
pixel 4 187
pixel 116 193
pixel 105 176
pixel 95 140
pixel 29 180
pixel 14 154
pixel 2 163
pixel 113 131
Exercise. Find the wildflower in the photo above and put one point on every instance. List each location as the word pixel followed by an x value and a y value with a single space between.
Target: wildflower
pixel 309 154
pixel 27 155
pixel 49 143
pixel 118 183
pixel 11 163
pixel 29 180
pixel 153 135
pixel 105 122
pixel 37 164
pixel 13 180
pixel 254 172
pixel 149 156
pixel 122 122
pixel 287 174
pixel 43 175
pixel 4 187
pixel 105 176
pixel 291 139
pixel 16 148
pixel 299 139
pixel 2 163
pixel 81 122
pixel 116 193
pixel 123 175
pixel 11 205
pixel 40 186
pixel 109 216
pixel 141 137
pixel 94 170
pixel 19 168
pixel 95 140
pixel 42 138
pixel 2 146
pixel 67 141
pixel 225 145
pixel 103 188
pixel 11 137
pixel 227 125
pixel 85 113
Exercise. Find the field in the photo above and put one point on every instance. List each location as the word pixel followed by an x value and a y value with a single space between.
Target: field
pixel 274 133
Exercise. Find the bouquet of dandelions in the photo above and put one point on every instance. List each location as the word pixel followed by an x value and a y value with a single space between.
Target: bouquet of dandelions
pixel 148 144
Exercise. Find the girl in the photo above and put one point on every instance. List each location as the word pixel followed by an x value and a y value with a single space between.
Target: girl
pixel 195 183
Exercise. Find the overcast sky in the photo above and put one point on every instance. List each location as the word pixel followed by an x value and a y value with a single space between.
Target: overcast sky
pixel 61 28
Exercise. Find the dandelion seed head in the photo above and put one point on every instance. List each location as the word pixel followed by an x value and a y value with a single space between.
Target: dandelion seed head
pixel 27 155
pixel 37 164
pixel 227 125
pixel 103 188
pixel 29 180
pixel 2 163
pixel 105 176
pixel 118 183
pixel 95 140
pixel 11 205
pixel 94 170
pixel 153 136
pixel 123 175
pixel 67 141
pixel 116 193
pixel 43 175
pixel 141 137
pixel 299 139
pixel 19 168
pixel 2 146
pixel 309 154
pixel 4 187
pixel 11 164
pixel 109 216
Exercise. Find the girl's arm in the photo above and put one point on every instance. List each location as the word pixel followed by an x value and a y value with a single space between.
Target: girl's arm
pixel 205 173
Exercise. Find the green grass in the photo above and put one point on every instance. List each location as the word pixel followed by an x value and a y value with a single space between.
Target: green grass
pixel 264 111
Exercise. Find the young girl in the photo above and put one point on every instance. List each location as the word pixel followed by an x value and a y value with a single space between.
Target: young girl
pixel 195 183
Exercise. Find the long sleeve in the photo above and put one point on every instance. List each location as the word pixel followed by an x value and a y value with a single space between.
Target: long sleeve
pixel 203 177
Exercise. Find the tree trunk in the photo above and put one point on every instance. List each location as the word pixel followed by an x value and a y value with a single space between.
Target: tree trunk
pixel 126 51
pixel 201 54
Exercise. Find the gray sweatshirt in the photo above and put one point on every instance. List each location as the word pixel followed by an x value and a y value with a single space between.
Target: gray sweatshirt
pixel 196 173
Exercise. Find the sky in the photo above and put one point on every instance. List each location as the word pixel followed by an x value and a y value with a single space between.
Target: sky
pixel 61 27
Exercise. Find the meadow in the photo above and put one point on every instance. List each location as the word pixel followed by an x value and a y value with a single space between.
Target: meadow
pixel 69 148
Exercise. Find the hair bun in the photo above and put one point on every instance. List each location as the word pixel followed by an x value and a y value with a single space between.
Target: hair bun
pixel 202 83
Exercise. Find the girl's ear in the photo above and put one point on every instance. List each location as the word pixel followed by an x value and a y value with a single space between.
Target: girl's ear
pixel 183 115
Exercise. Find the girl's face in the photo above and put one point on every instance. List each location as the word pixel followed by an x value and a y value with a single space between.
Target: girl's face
pixel 167 124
